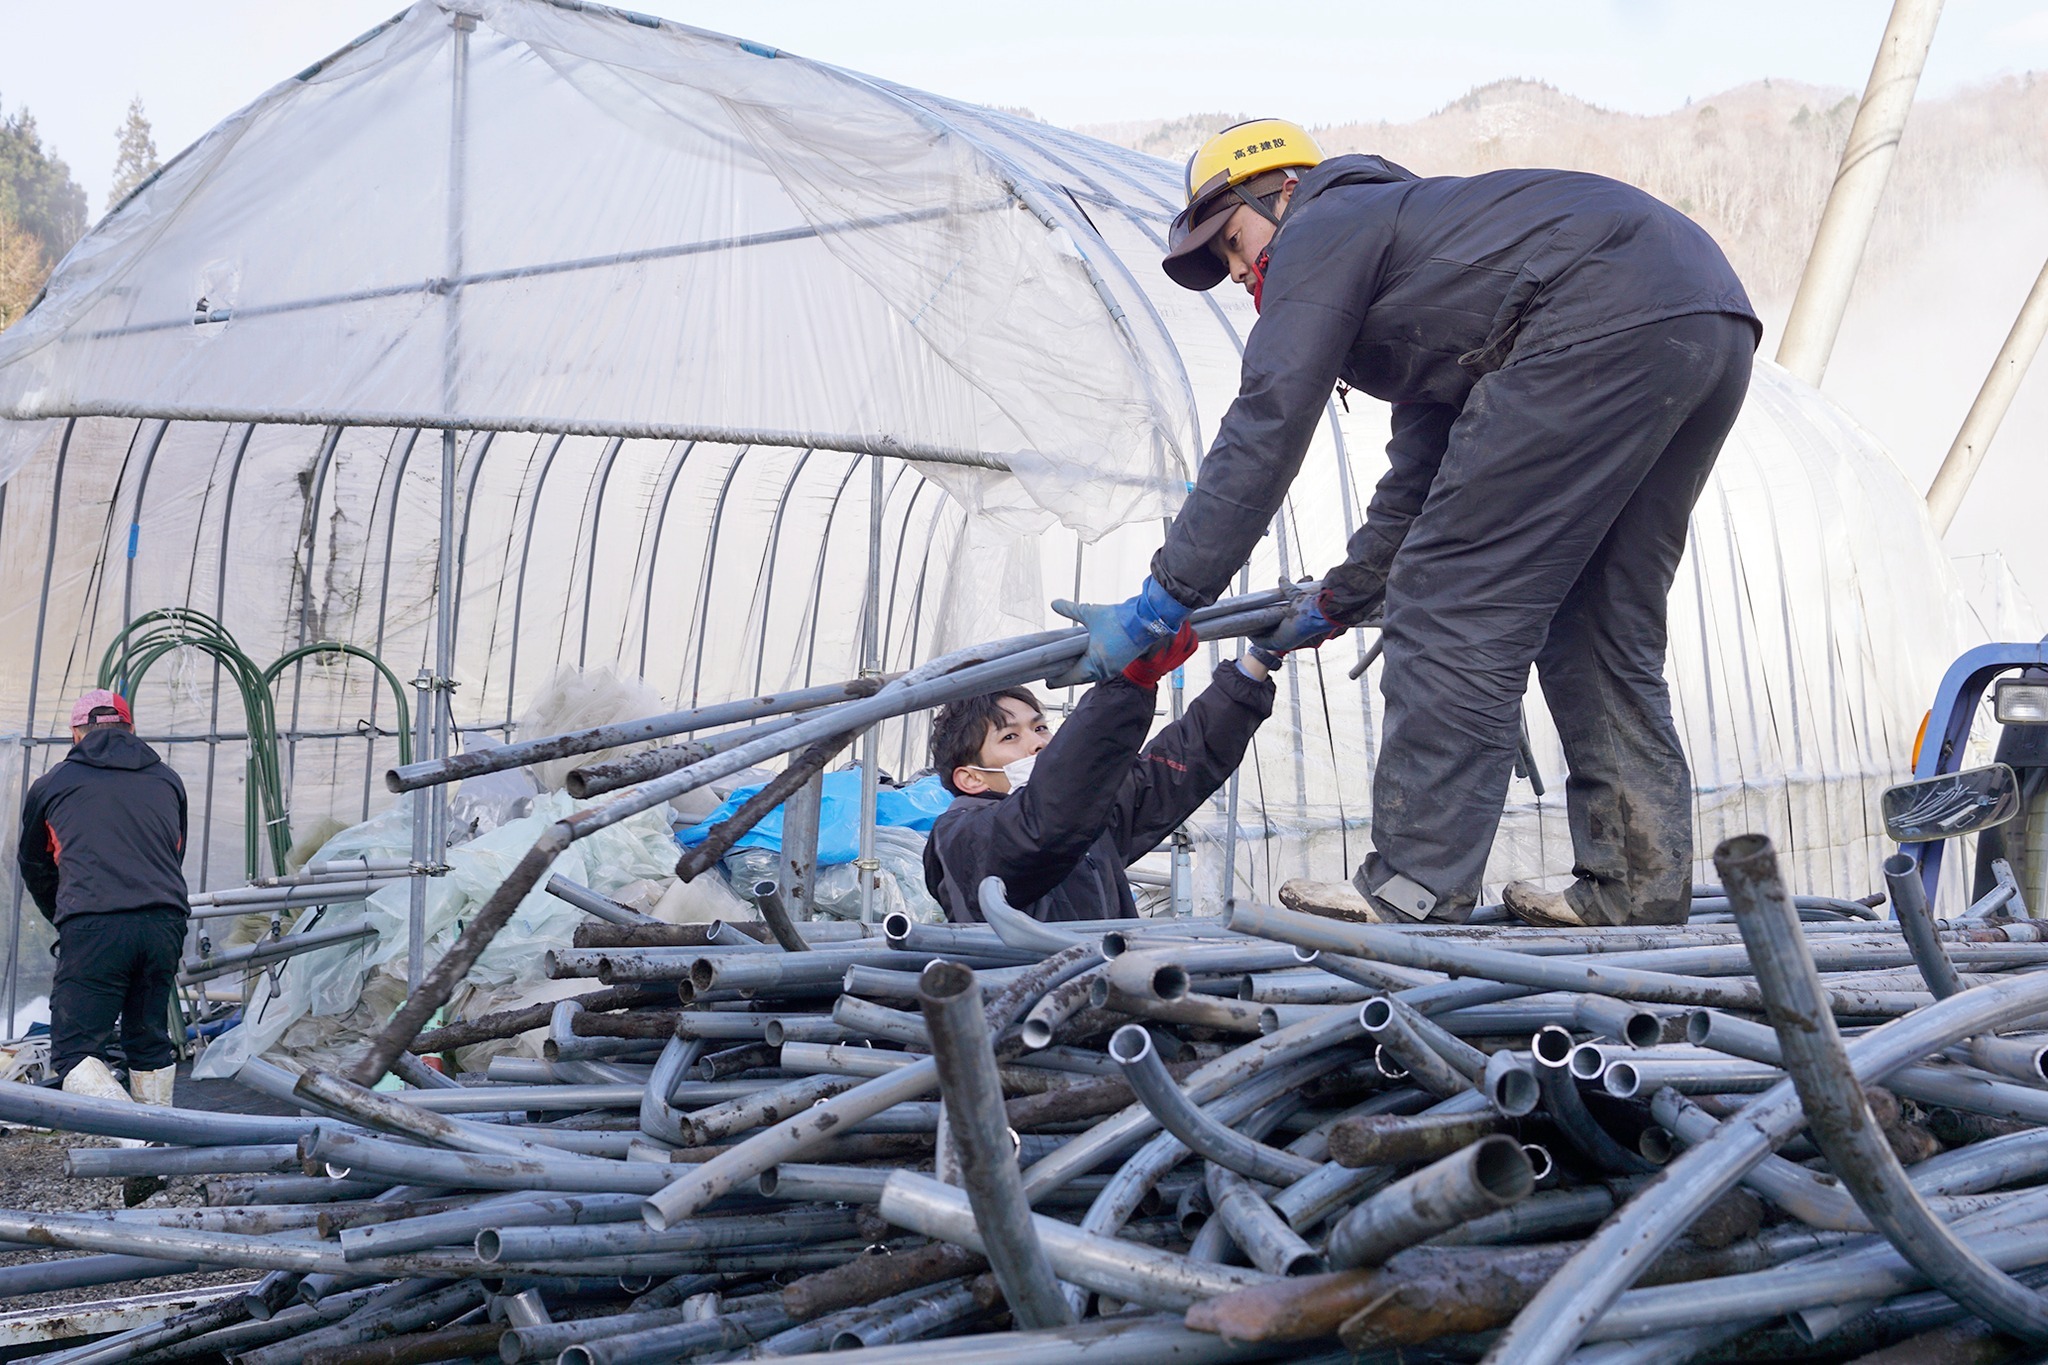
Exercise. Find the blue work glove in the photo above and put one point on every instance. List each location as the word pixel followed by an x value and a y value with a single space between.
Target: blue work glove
pixel 1303 627
pixel 1119 633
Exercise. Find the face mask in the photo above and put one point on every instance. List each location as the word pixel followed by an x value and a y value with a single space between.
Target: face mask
pixel 1259 277
pixel 1019 772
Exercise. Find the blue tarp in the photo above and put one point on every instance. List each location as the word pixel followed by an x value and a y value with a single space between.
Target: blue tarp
pixel 913 807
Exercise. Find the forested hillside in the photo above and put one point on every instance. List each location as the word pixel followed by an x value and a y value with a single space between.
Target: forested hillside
pixel 42 212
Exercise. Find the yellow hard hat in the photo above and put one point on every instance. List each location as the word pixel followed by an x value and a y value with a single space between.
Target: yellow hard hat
pixel 1216 176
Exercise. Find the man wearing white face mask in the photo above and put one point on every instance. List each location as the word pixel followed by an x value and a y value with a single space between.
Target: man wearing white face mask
pixel 1059 817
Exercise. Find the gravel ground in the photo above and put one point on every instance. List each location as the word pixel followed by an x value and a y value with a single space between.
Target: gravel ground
pixel 32 1179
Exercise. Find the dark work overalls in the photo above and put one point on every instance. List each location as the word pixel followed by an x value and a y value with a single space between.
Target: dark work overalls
pixel 1565 355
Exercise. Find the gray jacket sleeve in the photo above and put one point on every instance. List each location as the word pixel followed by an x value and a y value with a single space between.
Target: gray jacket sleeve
pixel 1324 271
pixel 1357 587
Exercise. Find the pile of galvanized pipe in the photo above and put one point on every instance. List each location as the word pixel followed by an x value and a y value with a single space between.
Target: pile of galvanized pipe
pixel 1276 1136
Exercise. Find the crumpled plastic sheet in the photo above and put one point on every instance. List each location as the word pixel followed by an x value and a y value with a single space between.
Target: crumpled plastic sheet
pixel 901 854
pixel 330 982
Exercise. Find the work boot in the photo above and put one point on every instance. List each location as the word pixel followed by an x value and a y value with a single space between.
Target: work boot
pixel 1543 909
pixel 1334 900
pixel 92 1080
pixel 153 1087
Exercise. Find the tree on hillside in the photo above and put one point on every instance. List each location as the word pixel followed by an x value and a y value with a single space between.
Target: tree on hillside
pixel 136 160
pixel 36 189
pixel 21 270
pixel 42 212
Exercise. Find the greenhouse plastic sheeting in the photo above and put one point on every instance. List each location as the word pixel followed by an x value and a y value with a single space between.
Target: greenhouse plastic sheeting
pixel 690 308
pixel 328 982
pixel 704 240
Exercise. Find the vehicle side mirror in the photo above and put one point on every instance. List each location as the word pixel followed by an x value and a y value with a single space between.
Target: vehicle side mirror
pixel 1951 805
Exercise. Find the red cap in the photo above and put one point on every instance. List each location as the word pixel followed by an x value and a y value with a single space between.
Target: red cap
pixel 100 706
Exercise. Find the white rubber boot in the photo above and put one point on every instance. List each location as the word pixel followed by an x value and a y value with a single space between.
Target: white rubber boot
pixel 92 1079
pixel 153 1087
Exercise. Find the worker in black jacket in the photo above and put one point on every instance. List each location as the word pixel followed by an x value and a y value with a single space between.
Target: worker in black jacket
pixel 1564 355
pixel 1060 816
pixel 102 852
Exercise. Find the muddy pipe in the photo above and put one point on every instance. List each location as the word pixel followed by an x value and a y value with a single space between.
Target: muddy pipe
pixel 1491 1174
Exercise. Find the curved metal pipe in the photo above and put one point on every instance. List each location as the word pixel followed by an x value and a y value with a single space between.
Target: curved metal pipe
pixel 1491 1174
pixel 1056 1006
pixel 1019 930
pixel 973 1094
pixel 1392 1025
pixel 1124 1192
pixel 1213 1079
pixel 1836 1113
pixel 657 1119
pixel 1902 878
pixel 1552 1048
pixel 1132 1049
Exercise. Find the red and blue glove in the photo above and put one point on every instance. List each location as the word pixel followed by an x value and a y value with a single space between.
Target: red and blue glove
pixel 1119 633
pixel 1148 668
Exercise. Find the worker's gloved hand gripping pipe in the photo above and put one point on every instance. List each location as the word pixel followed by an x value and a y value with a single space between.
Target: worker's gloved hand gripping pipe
pixel 1118 634
pixel 1308 624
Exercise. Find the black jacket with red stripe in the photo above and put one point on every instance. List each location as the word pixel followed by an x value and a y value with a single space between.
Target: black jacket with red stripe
pixel 1096 802
pixel 104 831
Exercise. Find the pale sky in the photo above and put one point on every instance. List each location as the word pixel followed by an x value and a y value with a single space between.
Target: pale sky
pixel 193 62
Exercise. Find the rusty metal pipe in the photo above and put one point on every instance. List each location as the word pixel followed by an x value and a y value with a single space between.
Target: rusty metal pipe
pixel 1491 1174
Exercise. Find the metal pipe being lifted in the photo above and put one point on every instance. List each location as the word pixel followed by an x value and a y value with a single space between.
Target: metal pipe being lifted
pixel 1966 455
pixel 911 692
pixel 457 767
pixel 1845 223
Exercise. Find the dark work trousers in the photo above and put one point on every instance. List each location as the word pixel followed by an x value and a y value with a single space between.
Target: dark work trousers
pixel 1551 535
pixel 113 966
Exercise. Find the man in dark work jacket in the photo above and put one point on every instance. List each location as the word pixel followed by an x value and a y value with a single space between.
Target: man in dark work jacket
pixel 1093 803
pixel 1564 355
pixel 101 853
